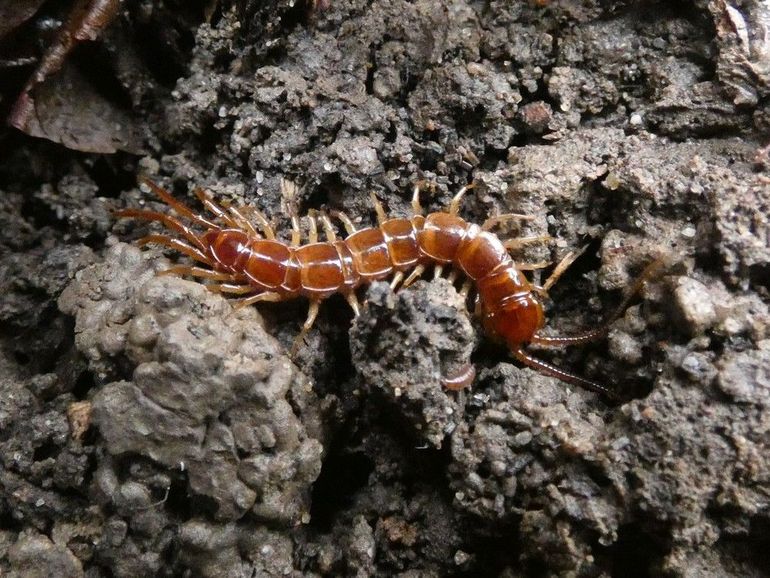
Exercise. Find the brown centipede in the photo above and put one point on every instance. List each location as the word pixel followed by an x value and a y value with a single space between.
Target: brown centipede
pixel 247 260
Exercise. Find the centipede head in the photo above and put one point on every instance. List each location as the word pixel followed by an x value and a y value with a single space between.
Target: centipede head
pixel 515 320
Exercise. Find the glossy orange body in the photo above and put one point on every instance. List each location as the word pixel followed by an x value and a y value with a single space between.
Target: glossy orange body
pixel 244 262
pixel 510 311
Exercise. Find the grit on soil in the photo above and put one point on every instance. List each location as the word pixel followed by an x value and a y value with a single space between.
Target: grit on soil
pixel 149 428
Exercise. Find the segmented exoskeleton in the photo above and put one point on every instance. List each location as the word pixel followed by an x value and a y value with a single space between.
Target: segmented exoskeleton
pixel 248 260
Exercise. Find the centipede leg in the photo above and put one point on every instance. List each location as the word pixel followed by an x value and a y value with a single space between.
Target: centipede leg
pixel 466 289
pixel 454 205
pixel 437 272
pixel 350 228
pixel 264 224
pixel 183 270
pixel 243 222
pixel 459 379
pixel 170 222
pixel 563 265
pixel 452 277
pixel 397 278
pixel 416 206
pixel 603 329
pixel 178 206
pixel 413 276
pixel 381 215
pixel 312 235
pixel 312 313
pixel 232 288
pixel 533 266
pixel 518 243
pixel 268 297
pixel 353 302
pixel 331 236
pixel 214 208
pixel 289 204
pixel 492 221
pixel 296 232
pixel 177 245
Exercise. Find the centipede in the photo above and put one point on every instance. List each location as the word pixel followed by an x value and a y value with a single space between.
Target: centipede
pixel 237 252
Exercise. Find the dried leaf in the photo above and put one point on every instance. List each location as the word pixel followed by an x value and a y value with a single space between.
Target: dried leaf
pixel 14 14
pixel 66 109
pixel 86 21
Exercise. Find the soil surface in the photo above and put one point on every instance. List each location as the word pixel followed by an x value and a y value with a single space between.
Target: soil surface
pixel 150 428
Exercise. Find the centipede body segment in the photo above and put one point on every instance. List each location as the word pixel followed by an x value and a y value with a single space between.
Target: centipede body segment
pixel 242 259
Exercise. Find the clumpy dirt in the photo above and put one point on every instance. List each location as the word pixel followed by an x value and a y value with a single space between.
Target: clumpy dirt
pixel 149 428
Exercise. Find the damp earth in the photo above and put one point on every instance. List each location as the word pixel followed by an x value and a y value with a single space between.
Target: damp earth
pixel 150 428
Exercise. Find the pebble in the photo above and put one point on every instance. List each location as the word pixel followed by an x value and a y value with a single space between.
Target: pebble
pixel 693 306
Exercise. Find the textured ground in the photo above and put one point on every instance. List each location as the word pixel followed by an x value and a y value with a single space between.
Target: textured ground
pixel 149 429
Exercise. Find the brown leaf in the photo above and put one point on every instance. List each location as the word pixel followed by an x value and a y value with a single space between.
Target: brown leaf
pixel 86 21
pixel 66 109
pixel 14 14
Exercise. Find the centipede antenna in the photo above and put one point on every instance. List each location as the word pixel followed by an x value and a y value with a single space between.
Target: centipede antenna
pixel 554 371
pixel 604 328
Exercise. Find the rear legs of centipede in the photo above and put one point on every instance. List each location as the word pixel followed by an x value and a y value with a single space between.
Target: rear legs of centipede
pixel 518 351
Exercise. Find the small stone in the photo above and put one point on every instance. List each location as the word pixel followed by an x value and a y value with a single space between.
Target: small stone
pixel 612 182
pixel 624 347
pixel 461 557
pixel 498 468
pixel 693 306
pixel 536 116
pixel 698 367
pixel 522 438
pixel 746 376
